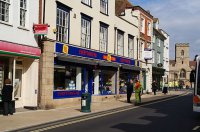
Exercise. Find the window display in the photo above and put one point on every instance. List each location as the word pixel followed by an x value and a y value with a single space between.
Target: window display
pixel 64 78
pixel 106 82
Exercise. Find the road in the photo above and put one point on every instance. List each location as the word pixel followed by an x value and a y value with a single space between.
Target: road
pixel 173 115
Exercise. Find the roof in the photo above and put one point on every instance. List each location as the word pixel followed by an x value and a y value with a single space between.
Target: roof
pixel 192 64
pixel 147 13
pixel 159 33
pixel 121 5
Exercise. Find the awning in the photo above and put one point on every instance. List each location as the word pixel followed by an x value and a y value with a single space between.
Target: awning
pixel 19 50
pixel 129 67
pixel 75 59
pixel 109 64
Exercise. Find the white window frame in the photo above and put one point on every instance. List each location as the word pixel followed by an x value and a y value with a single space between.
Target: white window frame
pixel 103 37
pixel 104 6
pixel 120 43
pixel 4 17
pixel 87 2
pixel 130 46
pixel 149 29
pixel 158 58
pixel 23 12
pixel 85 32
pixel 153 56
pixel 158 42
pixel 62 26
pixel 142 24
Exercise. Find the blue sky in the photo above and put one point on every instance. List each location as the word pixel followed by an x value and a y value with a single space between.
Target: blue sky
pixel 179 18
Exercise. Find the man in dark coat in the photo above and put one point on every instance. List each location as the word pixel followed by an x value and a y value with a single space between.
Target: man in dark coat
pixel 154 87
pixel 7 97
pixel 129 90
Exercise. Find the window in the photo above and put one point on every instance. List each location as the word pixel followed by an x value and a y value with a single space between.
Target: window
pixel 142 24
pixel 130 46
pixel 120 43
pixel 140 50
pixel 183 74
pixel 85 32
pixel 158 42
pixel 149 29
pixel 62 24
pixel 104 6
pixel 158 57
pixel 4 10
pixel 182 52
pixel 65 77
pixel 23 9
pixel 103 38
pixel 87 2
pixel 153 56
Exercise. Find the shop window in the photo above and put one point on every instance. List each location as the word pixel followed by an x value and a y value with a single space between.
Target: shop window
pixel 65 77
pixel 4 10
pixel 106 86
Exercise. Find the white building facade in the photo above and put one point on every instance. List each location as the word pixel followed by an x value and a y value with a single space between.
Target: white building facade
pixel 166 56
pixel 88 49
pixel 19 52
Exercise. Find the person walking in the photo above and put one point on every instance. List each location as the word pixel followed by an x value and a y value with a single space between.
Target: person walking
pixel 138 89
pixel 129 90
pixel 7 98
pixel 154 87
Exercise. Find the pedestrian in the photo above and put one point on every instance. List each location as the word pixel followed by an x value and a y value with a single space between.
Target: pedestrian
pixel 165 88
pixel 154 87
pixel 129 90
pixel 138 90
pixel 7 98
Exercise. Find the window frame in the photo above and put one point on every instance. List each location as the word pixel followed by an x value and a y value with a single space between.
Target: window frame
pixel 105 7
pixel 87 19
pixel 158 58
pixel 119 32
pixel 6 14
pixel 142 23
pixel 130 37
pixel 104 26
pixel 87 2
pixel 23 22
pixel 63 9
pixel 149 28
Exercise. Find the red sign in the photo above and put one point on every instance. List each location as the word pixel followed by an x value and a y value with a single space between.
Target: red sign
pixel 40 29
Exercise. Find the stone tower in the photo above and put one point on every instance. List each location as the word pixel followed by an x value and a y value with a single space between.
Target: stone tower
pixel 182 63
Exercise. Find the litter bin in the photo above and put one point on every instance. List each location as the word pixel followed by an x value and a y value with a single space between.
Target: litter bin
pixel 85 102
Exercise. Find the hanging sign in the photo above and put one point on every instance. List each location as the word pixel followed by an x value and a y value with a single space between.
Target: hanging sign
pixel 40 29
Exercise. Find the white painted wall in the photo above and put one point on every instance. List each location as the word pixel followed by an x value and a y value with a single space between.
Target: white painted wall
pixel 12 32
pixel 75 21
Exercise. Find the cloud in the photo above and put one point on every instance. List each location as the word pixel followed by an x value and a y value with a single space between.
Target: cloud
pixel 179 18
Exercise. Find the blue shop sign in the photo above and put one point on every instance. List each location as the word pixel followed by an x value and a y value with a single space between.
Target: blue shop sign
pixel 66 94
pixel 77 51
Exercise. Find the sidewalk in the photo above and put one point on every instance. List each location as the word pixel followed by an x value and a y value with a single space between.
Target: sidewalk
pixel 22 119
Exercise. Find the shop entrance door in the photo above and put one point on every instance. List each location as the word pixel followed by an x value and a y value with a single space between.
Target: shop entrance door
pixel 18 87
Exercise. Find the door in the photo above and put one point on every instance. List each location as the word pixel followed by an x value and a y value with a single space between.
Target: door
pixel 18 87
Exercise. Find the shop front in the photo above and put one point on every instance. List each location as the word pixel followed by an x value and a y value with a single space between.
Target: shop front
pixel 126 73
pixel 157 74
pixel 78 70
pixel 20 64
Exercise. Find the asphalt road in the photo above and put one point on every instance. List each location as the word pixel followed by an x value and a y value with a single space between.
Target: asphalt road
pixel 173 115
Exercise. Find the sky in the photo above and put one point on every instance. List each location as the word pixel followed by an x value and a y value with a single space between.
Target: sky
pixel 179 18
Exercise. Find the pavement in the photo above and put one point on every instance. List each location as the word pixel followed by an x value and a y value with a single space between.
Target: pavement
pixel 26 118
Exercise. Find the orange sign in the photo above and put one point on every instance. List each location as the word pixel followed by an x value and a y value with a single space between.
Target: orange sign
pixel 65 49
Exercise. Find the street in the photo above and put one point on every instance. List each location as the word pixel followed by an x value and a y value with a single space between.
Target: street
pixel 173 115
